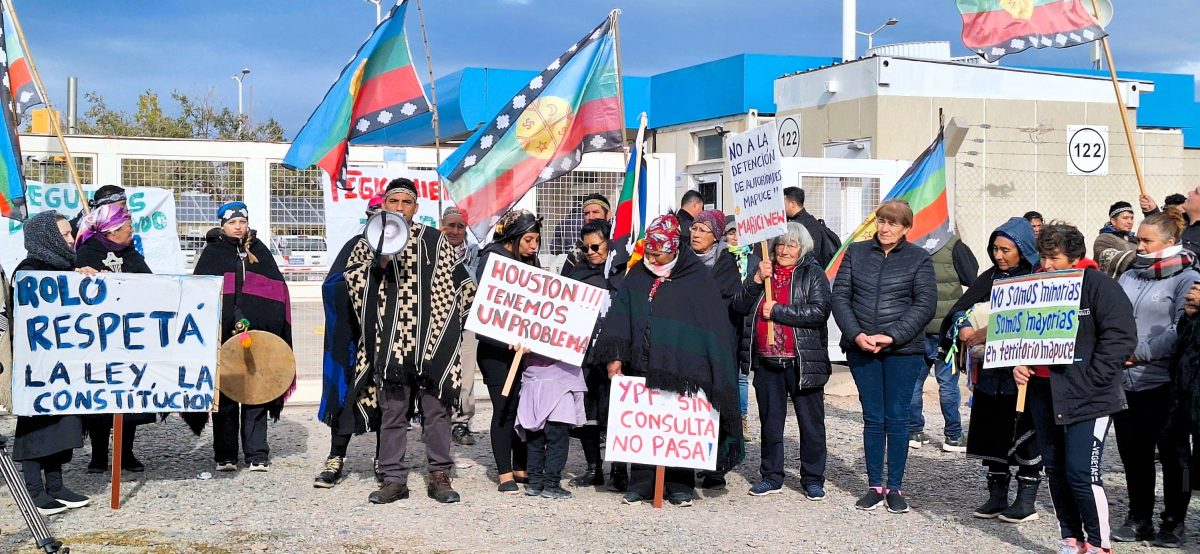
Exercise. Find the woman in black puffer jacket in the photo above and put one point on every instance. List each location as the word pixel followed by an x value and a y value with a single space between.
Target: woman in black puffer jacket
pixel 796 363
pixel 884 295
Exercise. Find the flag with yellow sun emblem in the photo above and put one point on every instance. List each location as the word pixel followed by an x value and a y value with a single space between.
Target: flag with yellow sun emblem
pixel 567 110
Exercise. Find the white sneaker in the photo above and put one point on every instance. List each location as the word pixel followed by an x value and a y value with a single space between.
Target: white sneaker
pixel 227 467
pixel 260 467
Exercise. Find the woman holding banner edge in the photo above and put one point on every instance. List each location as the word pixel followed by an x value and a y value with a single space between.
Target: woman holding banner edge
pixel 517 237
pixel 105 243
pixel 668 324
pixel 44 443
pixel 884 295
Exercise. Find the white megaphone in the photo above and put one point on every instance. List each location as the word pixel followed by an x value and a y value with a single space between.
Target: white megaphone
pixel 386 233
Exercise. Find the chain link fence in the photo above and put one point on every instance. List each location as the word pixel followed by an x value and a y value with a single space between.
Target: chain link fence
pixel 559 200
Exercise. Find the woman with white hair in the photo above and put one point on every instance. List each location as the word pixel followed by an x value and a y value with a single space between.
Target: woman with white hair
pixel 792 361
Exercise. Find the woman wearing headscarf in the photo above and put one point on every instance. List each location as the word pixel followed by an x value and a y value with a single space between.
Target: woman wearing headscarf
pixel 105 243
pixel 705 240
pixel 1157 284
pixel 1013 248
pixel 669 324
pixel 795 365
pixel 255 297
pixel 517 237
pixel 884 295
pixel 44 443
pixel 591 269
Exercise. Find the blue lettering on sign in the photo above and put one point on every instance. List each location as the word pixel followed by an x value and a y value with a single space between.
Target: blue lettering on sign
pixel 190 329
pixel 130 330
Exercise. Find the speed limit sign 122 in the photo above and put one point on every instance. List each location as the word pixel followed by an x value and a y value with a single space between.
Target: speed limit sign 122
pixel 1087 150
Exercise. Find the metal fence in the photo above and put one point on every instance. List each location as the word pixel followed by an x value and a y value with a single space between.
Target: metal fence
pixel 53 169
pixel 558 202
pixel 842 202
pixel 200 187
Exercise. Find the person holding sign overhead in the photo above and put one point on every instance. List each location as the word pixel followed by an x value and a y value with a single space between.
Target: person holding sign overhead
pixel 796 364
pixel 44 443
pixel 669 324
pixel 884 295
pixel 410 307
pixel 1157 284
pixel 105 243
pixel 994 415
pixel 517 237
pixel 255 297
pixel 1071 404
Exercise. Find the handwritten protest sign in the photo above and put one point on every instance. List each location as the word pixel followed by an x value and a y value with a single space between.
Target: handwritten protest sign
pixel 116 343
pixel 757 182
pixel 653 427
pixel 153 209
pixel 1033 319
pixel 523 305
pixel 345 210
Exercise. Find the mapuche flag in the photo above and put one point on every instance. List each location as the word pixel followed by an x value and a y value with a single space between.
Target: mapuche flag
pixel 923 186
pixel 629 225
pixel 995 28
pixel 17 77
pixel 12 182
pixel 567 110
pixel 377 89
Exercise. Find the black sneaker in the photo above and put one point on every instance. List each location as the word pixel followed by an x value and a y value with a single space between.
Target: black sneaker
pixel 391 491
pixel 332 474
pixel 955 445
pixel 916 440
pixel 1170 535
pixel 440 490
pixel 555 492
pixel 619 479
pixel 873 499
pixel 533 490
pixel 633 498
pixel 712 481
pixel 896 503
pixel 47 505
pixel 97 466
pixel 69 498
pixel 129 462
pixel 587 478
pixel 462 435
pixel 681 499
pixel 1134 531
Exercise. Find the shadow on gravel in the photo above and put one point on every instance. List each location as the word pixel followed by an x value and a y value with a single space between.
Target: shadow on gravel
pixel 943 487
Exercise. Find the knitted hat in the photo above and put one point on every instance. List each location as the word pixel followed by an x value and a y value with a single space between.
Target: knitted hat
pixel 233 210
pixel 714 220
pixel 663 234
pixel 1119 208
pixel 730 223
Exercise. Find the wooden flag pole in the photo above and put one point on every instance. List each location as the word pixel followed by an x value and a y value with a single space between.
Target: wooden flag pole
pixel 114 501
pixel 1112 72
pixel 41 88
pixel 769 295
pixel 616 24
pixel 437 136
pixel 660 475
pixel 512 372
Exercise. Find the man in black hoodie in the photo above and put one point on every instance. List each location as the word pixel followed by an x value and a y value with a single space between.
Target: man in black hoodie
pixel 690 206
pixel 825 242
pixel 1071 404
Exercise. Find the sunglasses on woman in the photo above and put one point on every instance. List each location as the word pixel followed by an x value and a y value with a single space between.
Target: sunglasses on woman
pixel 591 247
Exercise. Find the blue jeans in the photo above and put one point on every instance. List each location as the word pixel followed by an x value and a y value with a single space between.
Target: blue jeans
pixel 885 384
pixel 743 393
pixel 947 391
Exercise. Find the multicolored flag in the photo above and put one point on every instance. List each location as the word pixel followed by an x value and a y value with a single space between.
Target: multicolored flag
pixel 377 89
pixel 923 186
pixel 996 28
pixel 18 79
pixel 629 224
pixel 12 182
pixel 567 110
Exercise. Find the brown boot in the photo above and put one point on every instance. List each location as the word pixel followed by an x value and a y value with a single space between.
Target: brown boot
pixel 440 490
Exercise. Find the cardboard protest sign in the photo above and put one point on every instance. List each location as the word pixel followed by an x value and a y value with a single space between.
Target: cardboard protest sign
pixel 757 181
pixel 345 210
pixel 547 313
pixel 653 427
pixel 115 343
pixel 156 235
pixel 1033 319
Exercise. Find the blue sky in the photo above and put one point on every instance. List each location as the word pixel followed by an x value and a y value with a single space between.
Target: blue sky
pixel 295 48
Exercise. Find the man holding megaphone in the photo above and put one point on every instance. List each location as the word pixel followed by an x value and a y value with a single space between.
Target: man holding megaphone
pixel 408 295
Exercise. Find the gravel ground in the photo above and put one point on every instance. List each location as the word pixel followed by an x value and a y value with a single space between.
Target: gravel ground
pixel 168 509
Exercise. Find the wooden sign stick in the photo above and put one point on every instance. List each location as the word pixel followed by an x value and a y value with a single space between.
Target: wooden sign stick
pixel 769 295
pixel 118 427
pixel 512 372
pixel 1021 397
pixel 660 475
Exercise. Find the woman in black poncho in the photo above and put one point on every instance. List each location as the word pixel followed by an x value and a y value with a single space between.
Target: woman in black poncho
pixel 105 243
pixel 255 298
pixel 44 443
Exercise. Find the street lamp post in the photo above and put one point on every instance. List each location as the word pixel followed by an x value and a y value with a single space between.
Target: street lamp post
pixel 378 10
pixel 871 35
pixel 239 78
